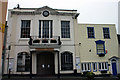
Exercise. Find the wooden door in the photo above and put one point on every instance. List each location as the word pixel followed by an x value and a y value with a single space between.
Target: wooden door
pixel 45 64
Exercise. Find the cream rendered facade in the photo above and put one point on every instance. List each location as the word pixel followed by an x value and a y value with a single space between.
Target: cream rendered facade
pixel 86 47
pixel 18 44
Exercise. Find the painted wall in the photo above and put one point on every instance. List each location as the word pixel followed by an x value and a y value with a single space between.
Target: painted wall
pixel 84 44
pixel 20 45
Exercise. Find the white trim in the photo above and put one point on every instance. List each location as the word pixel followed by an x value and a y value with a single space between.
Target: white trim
pixel 86 67
pixel 103 63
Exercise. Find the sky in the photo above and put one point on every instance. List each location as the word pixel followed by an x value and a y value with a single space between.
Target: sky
pixel 91 11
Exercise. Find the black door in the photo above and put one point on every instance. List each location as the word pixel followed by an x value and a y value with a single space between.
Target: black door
pixel 45 64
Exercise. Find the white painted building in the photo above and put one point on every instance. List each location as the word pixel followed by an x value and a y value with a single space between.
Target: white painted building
pixel 51 43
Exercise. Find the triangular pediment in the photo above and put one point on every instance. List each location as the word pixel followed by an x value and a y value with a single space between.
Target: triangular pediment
pixel 45 8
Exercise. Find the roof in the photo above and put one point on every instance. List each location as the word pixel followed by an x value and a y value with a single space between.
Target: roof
pixel 33 11
pixel 44 7
pixel 118 38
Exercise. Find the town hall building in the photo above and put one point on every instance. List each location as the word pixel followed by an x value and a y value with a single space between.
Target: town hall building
pixel 41 41
pixel 47 41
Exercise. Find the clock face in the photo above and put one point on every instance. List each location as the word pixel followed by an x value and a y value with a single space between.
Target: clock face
pixel 45 13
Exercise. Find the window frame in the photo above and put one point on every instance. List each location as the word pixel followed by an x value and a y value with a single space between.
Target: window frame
pixel 83 67
pixel 91 33
pixel 65 58
pixel 100 42
pixel 94 69
pixel 66 34
pixel 43 30
pixel 108 34
pixel 25 29
pixel 103 63
pixel 27 57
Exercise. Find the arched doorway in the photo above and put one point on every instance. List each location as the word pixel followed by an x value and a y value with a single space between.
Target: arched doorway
pixel 45 63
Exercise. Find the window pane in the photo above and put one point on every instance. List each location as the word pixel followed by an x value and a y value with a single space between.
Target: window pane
pixel 45 29
pixel 66 61
pixel 82 67
pixel 90 32
pixel 88 66
pixel 103 64
pixel 100 48
pixel 25 28
pixel 106 32
pixel 65 29
pixel 23 62
pixel 100 66
pixel 39 29
pixel 94 66
pixel 85 66
pixel 106 65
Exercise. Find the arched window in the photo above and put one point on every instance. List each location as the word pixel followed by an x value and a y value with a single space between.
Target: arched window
pixel 66 61
pixel 23 62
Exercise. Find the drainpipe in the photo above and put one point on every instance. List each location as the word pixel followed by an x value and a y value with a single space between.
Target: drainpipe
pixel 4 48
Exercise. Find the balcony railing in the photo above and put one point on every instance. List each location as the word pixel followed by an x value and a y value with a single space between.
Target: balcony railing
pixel 36 41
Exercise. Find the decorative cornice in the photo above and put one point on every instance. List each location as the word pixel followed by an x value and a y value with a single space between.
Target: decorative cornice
pixel 39 11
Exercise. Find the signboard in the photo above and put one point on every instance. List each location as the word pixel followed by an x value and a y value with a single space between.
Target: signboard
pixel 78 62
pixel 11 64
pixel 2 27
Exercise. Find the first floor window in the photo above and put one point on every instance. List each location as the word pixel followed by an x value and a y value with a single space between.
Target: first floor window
pixel 86 67
pixel 100 47
pixel 90 31
pixel 23 62
pixel 94 64
pixel 25 28
pixel 65 29
pixel 45 29
pixel 103 66
pixel 106 33
pixel 66 61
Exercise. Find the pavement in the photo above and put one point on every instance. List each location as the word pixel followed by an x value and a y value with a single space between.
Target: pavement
pixel 61 78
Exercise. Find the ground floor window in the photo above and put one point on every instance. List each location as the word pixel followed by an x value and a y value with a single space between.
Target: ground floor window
pixel 23 62
pixel 86 67
pixel 103 66
pixel 66 61
pixel 94 65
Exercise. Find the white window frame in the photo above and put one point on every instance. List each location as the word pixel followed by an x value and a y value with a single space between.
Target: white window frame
pixel 94 68
pixel 24 29
pixel 50 30
pixel 86 64
pixel 103 66
pixel 66 31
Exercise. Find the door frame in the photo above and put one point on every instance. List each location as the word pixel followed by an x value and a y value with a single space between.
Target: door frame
pixel 45 52
pixel 116 64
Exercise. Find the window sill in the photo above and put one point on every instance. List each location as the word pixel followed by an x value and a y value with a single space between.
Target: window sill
pixel 104 70
pixel 24 39
pixel 107 38
pixel 90 38
pixel 23 71
pixel 65 39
